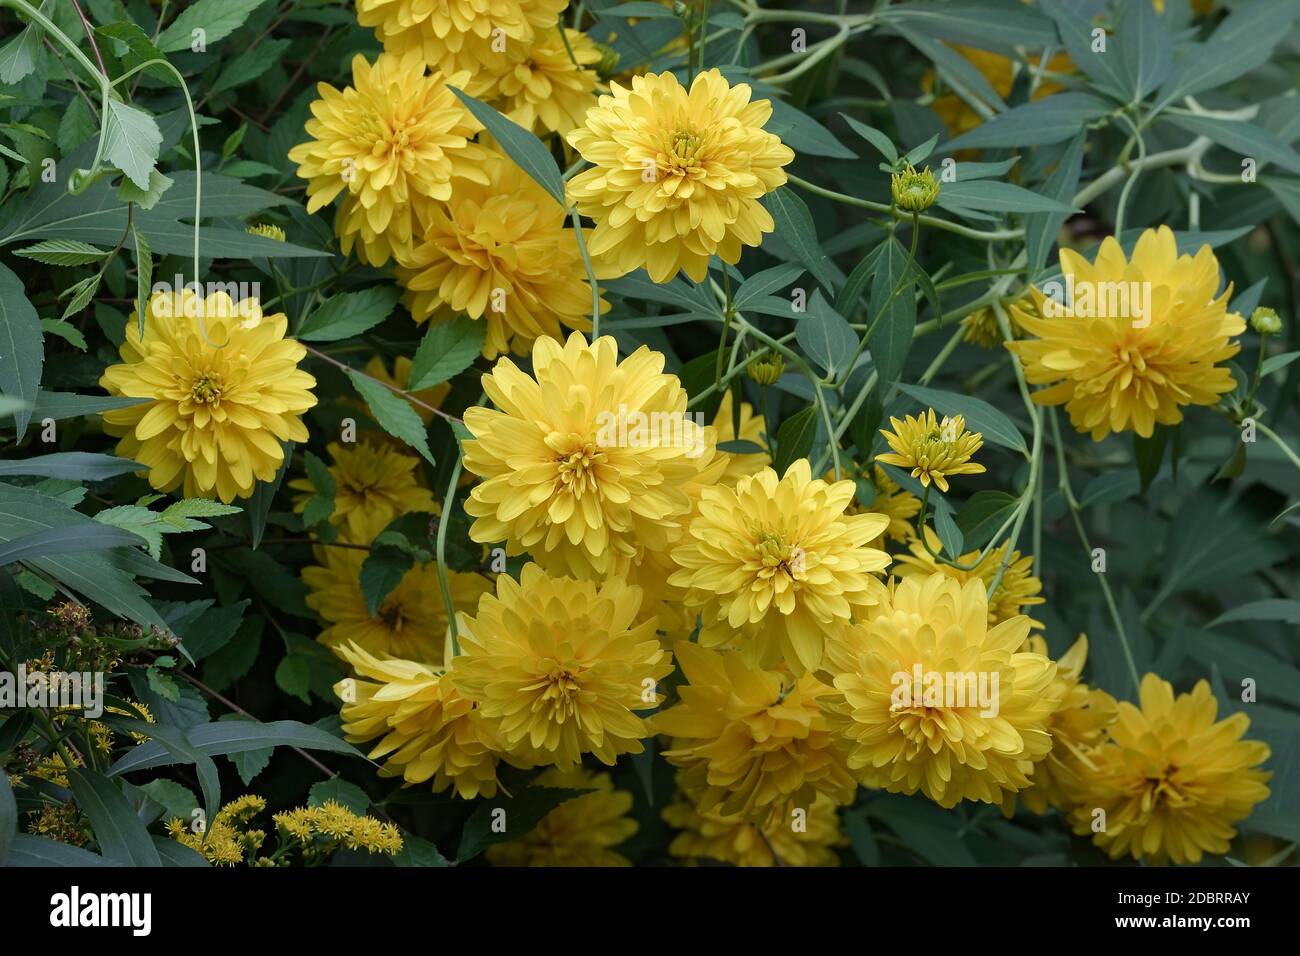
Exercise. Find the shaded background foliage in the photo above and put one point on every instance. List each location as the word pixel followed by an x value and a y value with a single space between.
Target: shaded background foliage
pixel 1200 545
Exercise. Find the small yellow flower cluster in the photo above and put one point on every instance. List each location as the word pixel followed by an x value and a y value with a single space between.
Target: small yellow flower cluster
pixel 314 833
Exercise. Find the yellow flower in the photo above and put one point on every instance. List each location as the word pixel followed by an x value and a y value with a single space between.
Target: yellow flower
pixel 710 835
pixel 582 831
pixel 752 429
pixel 677 176
pixel 215 416
pixel 1172 780
pixel 430 732
pixel 1078 727
pixel 499 252
pixel 401 377
pixel 899 506
pixel 226 838
pixel 1138 339
pixel 411 622
pixel 778 565
pixel 559 668
pixel 1017 590
pixel 544 89
pixel 933 699
pixel 586 463
pixel 461 34
pixel 392 140
pixel 981 328
pixel 373 485
pixel 933 449
pixel 749 741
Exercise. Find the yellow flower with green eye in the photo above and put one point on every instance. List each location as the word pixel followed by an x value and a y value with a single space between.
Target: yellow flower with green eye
pixel 932 448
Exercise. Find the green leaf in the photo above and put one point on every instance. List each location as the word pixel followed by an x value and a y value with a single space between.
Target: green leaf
pixel 66 331
pixel 81 294
pixel 293 676
pixel 216 18
pixel 847 300
pixel 766 282
pixel 22 348
pixel 76 126
pixel 981 516
pixel 1146 49
pixel 980 415
pixel 348 314
pixel 794 226
pixel 522 812
pixel 1240 136
pixel 131 142
pixel 177 854
pixel 861 837
pixel 417 851
pixel 382 570
pixel 957 71
pixel 1102 67
pixel 1270 609
pixel 891 339
pixel 62 252
pixel 176 800
pixel 18 56
pixel 341 792
pixel 63 405
pixel 136 45
pixel 393 414
pixel 199 508
pixel 36 851
pixel 119 832
pixel 1052 119
pixel 825 336
pixel 803 134
pixel 446 350
pixel 1243 42
pixel 250 65
pixel 638 9
pixel 949 533
pixel 233 737
pixel 8 818
pixel 988 24
pixel 320 505
pixel 178 745
pixel 145 198
pixel 1148 454
pixel 259 507
pixel 528 152
pixel 989 194
pixel 794 438
pixel 1042 228
pixel 925 829
pixel 74 540
pixel 72 465
pixel 1275 363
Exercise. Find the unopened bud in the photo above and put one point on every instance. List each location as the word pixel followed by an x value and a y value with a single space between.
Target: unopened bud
pixel 1266 321
pixel 766 369
pixel 914 191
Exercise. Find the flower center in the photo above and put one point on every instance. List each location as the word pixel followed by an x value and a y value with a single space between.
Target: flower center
pixel 392 615
pixel 560 691
pixel 685 148
pixel 577 469
pixel 206 389
pixel 778 555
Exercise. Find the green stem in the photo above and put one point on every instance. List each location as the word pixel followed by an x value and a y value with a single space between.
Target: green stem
pixel 1277 440
pixel 591 275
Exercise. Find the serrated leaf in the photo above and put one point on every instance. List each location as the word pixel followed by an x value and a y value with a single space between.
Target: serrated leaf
pixel 446 350
pixel 131 141
pixel 320 505
pixel 393 414
pixel 18 56
pixel 63 252
pixel 382 570
pixel 341 792
pixel 145 198
pixel 217 19
pixel 66 331
pixel 81 294
pixel 348 314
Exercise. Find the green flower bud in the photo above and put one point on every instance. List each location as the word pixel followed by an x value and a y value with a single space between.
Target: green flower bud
pixel 1266 321
pixel 914 191
pixel 767 369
